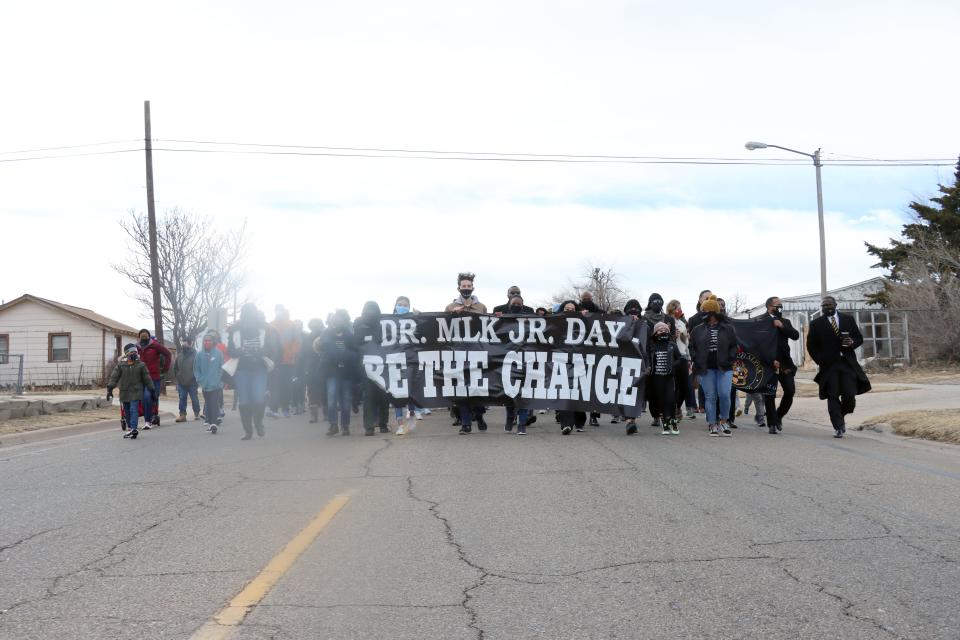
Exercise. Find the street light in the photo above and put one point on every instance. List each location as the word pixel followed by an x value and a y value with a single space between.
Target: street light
pixel 815 156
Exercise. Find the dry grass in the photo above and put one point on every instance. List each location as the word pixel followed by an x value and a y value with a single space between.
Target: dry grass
pixel 32 423
pixel 808 390
pixel 917 375
pixel 942 425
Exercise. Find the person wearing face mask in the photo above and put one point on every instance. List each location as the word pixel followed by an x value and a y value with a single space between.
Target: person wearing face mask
pixel 502 309
pixel 832 343
pixel 713 348
pixel 157 359
pixel 407 416
pixel 783 365
pixel 208 370
pixel 639 337
pixel 467 302
pixel 684 391
pixel 587 305
pixel 186 382
pixel 520 417
pixel 663 358
pixel 134 380
pixel 653 315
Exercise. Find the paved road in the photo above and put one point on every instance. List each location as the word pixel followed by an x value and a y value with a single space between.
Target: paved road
pixel 593 535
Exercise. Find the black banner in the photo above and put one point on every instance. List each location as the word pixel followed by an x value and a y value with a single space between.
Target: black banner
pixel 556 362
pixel 756 350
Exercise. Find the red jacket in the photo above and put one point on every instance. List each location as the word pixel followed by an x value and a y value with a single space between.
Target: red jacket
pixel 157 358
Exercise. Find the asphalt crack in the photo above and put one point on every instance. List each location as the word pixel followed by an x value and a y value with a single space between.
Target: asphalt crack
pixel 30 537
pixel 367 464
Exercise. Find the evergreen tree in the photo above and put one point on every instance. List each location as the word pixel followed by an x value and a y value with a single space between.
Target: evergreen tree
pixel 937 223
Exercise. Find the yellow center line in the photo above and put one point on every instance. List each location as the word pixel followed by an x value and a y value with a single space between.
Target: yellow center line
pixel 226 621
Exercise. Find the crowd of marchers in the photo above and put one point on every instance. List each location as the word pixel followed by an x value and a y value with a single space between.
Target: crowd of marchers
pixel 277 369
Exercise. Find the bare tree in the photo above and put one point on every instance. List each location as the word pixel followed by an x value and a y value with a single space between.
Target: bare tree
pixel 737 304
pixel 929 286
pixel 200 268
pixel 603 282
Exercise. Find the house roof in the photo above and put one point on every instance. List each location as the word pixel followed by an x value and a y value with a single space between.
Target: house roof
pixel 80 312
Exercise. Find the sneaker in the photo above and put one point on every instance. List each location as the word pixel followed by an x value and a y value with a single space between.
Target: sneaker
pixel 566 430
pixel 481 424
pixel 419 416
pixel 541 411
pixel 691 414
pixel 345 431
pixel 593 422
pixel 759 420
pixel 247 437
pixel 384 429
pixel 631 427
pixel 714 431
pixel 147 427
pixel 401 431
pixel 725 431
pixel 780 426
pixel 332 431
pixel 521 430
pixel 580 429
pixel 746 411
pixel 427 412
pixel 655 423
pixel 132 434
pixel 530 420
pixel 181 418
pixel 197 417
pixel 508 427
pixel 732 424
pixel 614 420
pixel 665 431
pixel 674 430
pixel 369 432
pixel 739 413
pixel 464 430
pixel 286 413
pixel 213 429
pixel 411 424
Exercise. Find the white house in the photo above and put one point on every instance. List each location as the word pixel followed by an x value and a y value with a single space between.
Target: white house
pixel 60 344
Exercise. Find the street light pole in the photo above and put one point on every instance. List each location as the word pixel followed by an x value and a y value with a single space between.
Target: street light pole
pixel 815 156
pixel 823 241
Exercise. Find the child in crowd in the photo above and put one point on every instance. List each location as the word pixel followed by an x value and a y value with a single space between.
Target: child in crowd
pixel 133 379
pixel 208 371
pixel 663 358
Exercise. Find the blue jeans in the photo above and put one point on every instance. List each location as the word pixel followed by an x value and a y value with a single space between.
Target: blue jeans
pixel 521 415
pixel 194 396
pixel 131 410
pixel 339 400
pixel 250 386
pixel 716 387
pixel 149 410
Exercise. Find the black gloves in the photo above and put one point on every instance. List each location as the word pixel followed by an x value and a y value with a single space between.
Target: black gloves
pixel 109 394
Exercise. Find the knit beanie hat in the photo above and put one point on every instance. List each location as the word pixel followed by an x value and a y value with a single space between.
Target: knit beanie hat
pixel 661 327
pixel 710 305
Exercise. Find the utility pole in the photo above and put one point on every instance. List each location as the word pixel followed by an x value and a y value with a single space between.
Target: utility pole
pixel 152 217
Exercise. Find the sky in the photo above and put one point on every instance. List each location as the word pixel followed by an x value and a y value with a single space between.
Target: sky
pixel 693 79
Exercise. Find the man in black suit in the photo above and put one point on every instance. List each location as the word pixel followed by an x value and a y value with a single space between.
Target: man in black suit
pixel 783 365
pixel 832 342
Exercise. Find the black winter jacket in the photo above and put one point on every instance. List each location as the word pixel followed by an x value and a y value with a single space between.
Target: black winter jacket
pixel 726 346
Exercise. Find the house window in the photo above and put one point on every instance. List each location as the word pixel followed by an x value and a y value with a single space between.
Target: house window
pixel 58 347
pixel 4 348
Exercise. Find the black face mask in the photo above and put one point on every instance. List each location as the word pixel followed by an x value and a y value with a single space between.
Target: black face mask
pixel 778 311
pixel 466 293
pixel 656 305
pixel 828 311
pixel 632 311
pixel 663 337
pixel 145 341
pixel 516 308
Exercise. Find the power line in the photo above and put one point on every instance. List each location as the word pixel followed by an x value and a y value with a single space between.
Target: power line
pixel 71 155
pixel 72 146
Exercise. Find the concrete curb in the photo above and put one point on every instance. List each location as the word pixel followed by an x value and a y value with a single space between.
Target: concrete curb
pixel 53 433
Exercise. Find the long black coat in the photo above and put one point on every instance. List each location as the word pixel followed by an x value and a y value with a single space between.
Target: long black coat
pixel 826 348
